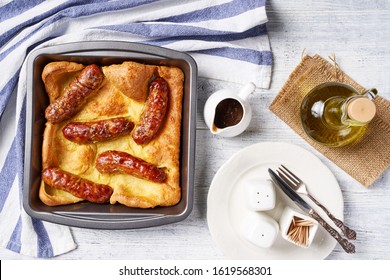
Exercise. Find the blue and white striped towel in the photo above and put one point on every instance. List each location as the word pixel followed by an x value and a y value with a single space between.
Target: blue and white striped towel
pixel 227 38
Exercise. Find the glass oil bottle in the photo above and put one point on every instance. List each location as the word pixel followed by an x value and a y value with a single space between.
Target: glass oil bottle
pixel 335 114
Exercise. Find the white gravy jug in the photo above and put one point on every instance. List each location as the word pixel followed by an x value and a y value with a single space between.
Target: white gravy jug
pixel 227 113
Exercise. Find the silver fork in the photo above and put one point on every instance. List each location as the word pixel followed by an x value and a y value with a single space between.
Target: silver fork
pixel 300 187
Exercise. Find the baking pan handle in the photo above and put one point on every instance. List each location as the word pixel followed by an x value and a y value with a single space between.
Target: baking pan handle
pixel 111 221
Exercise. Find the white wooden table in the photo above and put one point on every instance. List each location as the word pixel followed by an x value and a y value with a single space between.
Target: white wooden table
pixel 358 33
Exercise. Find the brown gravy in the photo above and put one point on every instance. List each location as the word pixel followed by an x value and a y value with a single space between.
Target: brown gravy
pixel 229 112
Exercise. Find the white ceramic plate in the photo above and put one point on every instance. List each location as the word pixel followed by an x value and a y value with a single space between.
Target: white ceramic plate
pixel 226 205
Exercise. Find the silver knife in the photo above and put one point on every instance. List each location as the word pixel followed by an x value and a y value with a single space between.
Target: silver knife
pixel 347 246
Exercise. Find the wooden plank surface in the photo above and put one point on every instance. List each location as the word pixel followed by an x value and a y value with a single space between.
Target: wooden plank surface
pixel 358 33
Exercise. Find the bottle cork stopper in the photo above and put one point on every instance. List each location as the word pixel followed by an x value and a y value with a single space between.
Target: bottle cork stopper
pixel 361 109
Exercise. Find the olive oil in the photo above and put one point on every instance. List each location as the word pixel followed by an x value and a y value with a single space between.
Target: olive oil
pixel 335 115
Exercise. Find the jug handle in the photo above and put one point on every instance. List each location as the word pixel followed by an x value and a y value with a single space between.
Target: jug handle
pixel 371 93
pixel 246 90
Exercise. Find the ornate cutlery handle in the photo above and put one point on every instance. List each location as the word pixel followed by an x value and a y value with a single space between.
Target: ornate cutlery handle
pixel 347 246
pixel 349 233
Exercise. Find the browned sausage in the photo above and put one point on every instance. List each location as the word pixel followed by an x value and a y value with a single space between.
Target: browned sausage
pixel 121 162
pixel 154 112
pixel 74 97
pixel 82 188
pixel 99 131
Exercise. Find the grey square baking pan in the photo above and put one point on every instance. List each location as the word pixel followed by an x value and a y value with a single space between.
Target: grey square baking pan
pixel 85 214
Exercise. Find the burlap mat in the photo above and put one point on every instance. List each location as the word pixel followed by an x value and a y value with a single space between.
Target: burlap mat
pixel 366 160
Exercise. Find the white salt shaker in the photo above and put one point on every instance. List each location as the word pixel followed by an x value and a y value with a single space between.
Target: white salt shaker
pixel 260 229
pixel 259 194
